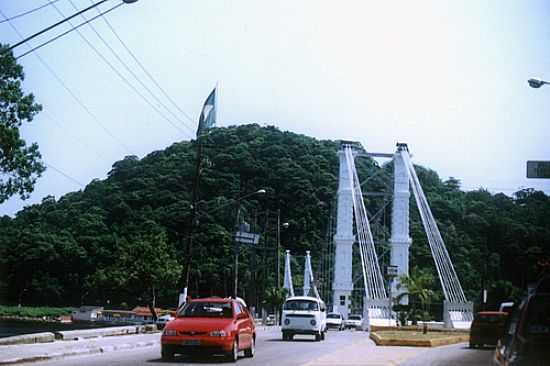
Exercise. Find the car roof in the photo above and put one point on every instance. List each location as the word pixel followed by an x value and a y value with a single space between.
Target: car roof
pixel 492 313
pixel 309 298
pixel 211 299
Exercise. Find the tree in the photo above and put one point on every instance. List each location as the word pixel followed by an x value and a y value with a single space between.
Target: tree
pixel 20 164
pixel 418 285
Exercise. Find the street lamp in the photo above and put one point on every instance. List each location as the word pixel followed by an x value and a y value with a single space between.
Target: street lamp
pixel 537 83
pixel 237 242
pixel 284 225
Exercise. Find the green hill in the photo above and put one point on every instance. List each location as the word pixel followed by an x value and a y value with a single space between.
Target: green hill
pixel 122 239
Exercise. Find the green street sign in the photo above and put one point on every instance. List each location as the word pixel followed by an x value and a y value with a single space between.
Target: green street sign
pixel 538 169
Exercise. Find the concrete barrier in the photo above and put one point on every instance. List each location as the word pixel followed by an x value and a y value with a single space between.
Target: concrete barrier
pixel 434 342
pixel 28 338
pixel 70 335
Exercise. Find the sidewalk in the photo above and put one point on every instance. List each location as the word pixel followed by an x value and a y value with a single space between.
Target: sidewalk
pixel 44 351
pixel 366 353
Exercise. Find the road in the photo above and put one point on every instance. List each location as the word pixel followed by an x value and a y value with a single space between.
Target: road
pixel 342 348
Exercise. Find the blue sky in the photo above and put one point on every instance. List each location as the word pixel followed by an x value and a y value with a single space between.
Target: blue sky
pixel 449 78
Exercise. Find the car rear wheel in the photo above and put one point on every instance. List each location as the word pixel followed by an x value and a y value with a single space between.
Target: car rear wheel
pixel 233 356
pixel 250 351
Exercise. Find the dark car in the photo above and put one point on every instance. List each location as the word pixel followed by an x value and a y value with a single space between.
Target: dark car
pixel 487 328
pixel 526 340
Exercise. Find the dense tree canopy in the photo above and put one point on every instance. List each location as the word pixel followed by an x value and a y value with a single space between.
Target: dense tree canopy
pixel 122 239
pixel 20 165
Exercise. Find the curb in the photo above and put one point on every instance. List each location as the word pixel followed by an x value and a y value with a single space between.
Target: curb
pixel 78 352
pixel 435 342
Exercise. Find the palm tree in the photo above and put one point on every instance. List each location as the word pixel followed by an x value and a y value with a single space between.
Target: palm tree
pixel 417 286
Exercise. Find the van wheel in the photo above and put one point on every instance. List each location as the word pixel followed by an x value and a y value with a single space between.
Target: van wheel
pixel 322 336
pixel 250 351
pixel 318 337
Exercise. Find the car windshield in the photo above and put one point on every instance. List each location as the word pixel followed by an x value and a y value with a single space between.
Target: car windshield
pixel 333 316
pixel 354 317
pixel 538 317
pixel 307 305
pixel 201 309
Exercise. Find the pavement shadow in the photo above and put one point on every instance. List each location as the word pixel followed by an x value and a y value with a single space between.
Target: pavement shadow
pixel 196 359
pixel 294 340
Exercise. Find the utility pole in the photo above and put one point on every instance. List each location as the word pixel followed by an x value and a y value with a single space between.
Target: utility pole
pixel 278 274
pixel 237 243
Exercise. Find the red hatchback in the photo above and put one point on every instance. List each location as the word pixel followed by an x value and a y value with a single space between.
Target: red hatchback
pixel 211 325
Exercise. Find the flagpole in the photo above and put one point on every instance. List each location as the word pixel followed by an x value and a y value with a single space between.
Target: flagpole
pixel 216 99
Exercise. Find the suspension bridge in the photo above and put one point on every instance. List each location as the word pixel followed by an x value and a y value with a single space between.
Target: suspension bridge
pixel 354 229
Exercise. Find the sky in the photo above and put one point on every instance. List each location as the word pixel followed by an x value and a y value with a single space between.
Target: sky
pixel 449 78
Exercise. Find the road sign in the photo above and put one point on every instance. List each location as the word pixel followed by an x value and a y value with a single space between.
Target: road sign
pixel 538 169
pixel 391 271
pixel 247 238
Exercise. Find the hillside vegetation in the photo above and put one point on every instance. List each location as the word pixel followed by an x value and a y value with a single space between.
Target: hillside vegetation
pixel 121 240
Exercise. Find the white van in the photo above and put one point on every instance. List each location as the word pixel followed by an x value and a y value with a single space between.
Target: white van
pixel 304 315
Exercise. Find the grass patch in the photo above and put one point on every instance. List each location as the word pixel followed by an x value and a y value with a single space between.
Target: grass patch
pixel 414 335
pixel 34 312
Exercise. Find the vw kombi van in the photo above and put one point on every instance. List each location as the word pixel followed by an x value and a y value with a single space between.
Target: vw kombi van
pixel 304 315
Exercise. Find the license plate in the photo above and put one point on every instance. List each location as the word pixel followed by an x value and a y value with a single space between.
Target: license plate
pixel 192 342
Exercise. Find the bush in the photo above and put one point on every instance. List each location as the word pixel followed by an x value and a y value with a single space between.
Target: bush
pixel 34 312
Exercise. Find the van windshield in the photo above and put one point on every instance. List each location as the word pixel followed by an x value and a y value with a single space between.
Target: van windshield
pixel 307 305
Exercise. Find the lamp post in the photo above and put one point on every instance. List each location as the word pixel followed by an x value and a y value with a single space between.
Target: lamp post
pixel 537 83
pixel 278 249
pixel 237 242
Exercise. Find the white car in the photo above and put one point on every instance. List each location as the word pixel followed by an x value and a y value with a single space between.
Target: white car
pixel 335 320
pixel 304 315
pixel 163 320
pixel 354 322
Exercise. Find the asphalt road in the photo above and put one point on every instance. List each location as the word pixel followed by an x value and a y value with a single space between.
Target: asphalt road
pixel 342 348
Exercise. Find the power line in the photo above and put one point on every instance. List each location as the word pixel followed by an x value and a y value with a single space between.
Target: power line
pixel 27 12
pixel 71 93
pixel 66 32
pixel 122 77
pixel 157 99
pixel 145 70
pixel 53 25
pixel 64 174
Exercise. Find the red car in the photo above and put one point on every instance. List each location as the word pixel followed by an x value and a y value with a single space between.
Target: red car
pixel 211 325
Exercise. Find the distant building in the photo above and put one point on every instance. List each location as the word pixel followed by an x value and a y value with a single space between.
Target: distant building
pixel 143 314
pixel 118 316
pixel 87 313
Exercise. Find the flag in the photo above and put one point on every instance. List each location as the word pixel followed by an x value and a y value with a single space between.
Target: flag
pixel 208 114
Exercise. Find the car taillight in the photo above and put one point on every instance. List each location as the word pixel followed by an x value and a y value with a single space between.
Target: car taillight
pixel 169 332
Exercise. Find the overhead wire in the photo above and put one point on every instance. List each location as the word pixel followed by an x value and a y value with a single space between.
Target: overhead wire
pixel 144 69
pixel 130 71
pixel 73 28
pixel 122 77
pixel 27 12
pixel 64 174
pixel 71 93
